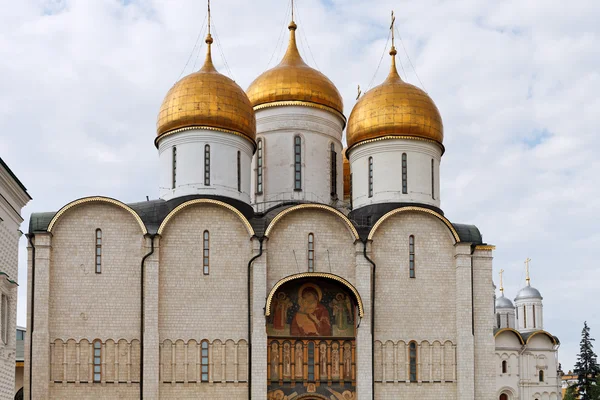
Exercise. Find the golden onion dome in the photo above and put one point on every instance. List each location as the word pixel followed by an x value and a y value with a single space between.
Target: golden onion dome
pixel 293 82
pixel 346 171
pixel 207 99
pixel 394 109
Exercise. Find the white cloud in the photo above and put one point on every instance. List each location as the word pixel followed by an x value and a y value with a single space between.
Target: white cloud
pixel 516 82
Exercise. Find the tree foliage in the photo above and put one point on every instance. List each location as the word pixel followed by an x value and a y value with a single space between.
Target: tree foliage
pixel 587 368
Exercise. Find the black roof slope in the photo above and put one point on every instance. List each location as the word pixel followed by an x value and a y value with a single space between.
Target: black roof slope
pixel 153 212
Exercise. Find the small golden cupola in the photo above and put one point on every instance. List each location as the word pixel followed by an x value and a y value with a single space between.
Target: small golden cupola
pixel 293 82
pixel 209 100
pixel 394 109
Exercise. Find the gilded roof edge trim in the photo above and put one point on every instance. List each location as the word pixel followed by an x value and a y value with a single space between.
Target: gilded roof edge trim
pixel 310 205
pixel 208 128
pixel 288 103
pixel 389 137
pixel 205 201
pixel 485 247
pixel 516 332
pixel 417 209
pixel 361 310
pixel 91 199
pixel 552 338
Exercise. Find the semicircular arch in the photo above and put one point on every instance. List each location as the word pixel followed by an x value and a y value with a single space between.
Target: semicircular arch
pixel 414 209
pixel 514 331
pixel 321 275
pixel 332 210
pixel 182 206
pixel 552 338
pixel 99 199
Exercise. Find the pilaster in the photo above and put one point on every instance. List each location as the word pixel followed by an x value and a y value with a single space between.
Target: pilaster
pixel 258 373
pixel 151 339
pixel 364 337
pixel 483 309
pixel 464 323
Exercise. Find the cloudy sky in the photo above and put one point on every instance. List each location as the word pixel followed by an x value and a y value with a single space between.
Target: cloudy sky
pixel 516 81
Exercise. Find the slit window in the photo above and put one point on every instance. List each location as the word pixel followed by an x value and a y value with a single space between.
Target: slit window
pixel 259 166
pixel 311 362
pixel 97 361
pixel 205 252
pixel 207 165
pixel 98 251
pixel 239 171
pixel 432 179
pixel 204 361
pixel 297 163
pixel 541 376
pixel 504 367
pixel 413 361
pixel 311 252
pixel 351 190
pixel 333 172
pixel 534 316
pixel 370 176
pixel 404 174
pixel 524 317
pixel 411 256
pixel 174 178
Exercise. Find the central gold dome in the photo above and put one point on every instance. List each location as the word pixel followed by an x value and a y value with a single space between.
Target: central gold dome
pixel 394 109
pixel 294 81
pixel 207 99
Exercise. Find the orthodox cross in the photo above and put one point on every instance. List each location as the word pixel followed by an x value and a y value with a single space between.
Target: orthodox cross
pixel 358 93
pixel 501 285
pixel 292 10
pixel 527 279
pixel 392 27
pixel 209 17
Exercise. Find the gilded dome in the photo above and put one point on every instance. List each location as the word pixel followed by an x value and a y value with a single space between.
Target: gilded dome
pixel 294 81
pixel 209 100
pixel 394 108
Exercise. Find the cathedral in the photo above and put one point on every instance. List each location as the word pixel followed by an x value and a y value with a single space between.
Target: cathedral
pixel 282 260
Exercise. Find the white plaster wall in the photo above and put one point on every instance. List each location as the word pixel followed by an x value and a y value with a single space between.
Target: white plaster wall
pixel 190 164
pixel 539 315
pixel 277 126
pixel 507 317
pixel 387 172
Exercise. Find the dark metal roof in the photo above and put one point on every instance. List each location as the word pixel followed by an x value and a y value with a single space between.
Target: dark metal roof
pixel 153 212
pixel 3 164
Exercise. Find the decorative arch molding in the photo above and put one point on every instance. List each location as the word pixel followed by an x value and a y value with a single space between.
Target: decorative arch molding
pixel 321 275
pixel 311 396
pixel 96 199
pixel 510 392
pixel 180 207
pixel 312 206
pixel 552 338
pixel 513 331
pixel 414 209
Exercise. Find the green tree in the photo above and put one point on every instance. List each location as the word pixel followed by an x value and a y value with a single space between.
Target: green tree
pixel 570 394
pixel 586 368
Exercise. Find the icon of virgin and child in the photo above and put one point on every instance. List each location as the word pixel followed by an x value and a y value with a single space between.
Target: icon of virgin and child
pixel 311 317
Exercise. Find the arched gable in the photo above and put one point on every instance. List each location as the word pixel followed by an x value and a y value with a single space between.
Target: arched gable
pixel 414 209
pixel 552 338
pixel 515 332
pixel 320 275
pixel 180 207
pixel 99 199
pixel 312 206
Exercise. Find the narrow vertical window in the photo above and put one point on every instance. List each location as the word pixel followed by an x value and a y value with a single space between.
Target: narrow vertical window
pixel 207 165
pixel 259 166
pixel 534 317
pixel 297 163
pixel 311 362
pixel 205 255
pixel 504 367
pixel 370 176
pixel 351 190
pixel 413 361
pixel 204 361
pixel 98 251
pixel 97 361
pixel 404 174
pixel 411 256
pixel 498 320
pixel 311 252
pixel 239 171
pixel 541 376
pixel 174 178
pixel 432 180
pixel 333 172
pixel 524 317
pixel 4 319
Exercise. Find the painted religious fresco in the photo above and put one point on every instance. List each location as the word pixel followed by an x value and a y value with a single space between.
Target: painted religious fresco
pixel 311 309
pixel 311 346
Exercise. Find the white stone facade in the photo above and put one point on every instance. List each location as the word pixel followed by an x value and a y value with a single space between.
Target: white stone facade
pixel 13 197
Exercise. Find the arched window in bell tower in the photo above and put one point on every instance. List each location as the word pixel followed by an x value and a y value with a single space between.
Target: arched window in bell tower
pixel 333 178
pixel 297 163
pixel 311 252
pixel 259 166
pixel 370 176
pixel 412 349
pixel 207 165
pixel 404 174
